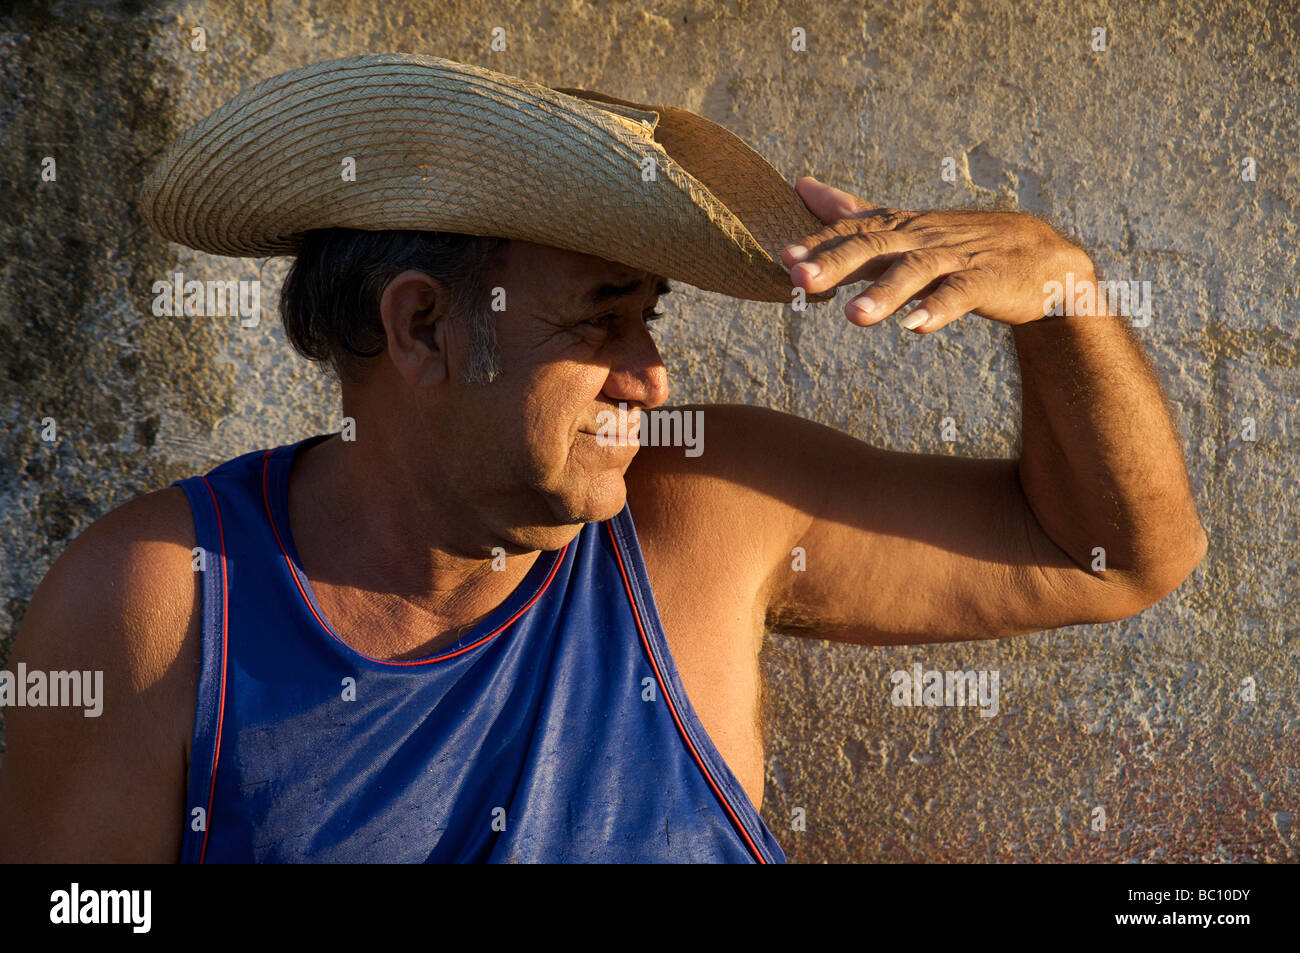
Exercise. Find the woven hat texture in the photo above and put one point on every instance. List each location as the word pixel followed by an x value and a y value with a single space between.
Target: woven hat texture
pixel 439 145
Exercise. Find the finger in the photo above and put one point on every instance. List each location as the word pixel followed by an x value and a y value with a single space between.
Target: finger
pixel 864 312
pixel 844 259
pixel 877 220
pixel 958 294
pixel 829 203
pixel 907 278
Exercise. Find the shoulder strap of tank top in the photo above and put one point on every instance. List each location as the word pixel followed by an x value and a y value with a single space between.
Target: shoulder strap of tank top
pixel 735 802
pixel 206 745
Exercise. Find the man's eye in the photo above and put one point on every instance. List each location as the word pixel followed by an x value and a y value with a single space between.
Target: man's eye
pixel 605 320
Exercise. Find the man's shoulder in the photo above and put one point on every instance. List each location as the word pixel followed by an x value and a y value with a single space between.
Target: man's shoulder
pixel 124 592
pixel 696 442
pixel 738 455
pixel 728 495
pixel 149 536
pixel 121 604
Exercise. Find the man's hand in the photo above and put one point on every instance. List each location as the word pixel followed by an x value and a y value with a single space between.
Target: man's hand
pixel 994 264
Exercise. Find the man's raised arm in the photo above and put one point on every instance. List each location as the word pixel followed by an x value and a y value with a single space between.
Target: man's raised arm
pixel 1114 525
pixel 1101 464
pixel 1095 522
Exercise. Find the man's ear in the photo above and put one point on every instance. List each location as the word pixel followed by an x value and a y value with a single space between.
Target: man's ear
pixel 412 307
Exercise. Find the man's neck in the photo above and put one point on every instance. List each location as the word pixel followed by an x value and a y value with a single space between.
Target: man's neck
pixel 370 543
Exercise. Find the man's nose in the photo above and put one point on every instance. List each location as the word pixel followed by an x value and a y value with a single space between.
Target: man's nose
pixel 639 375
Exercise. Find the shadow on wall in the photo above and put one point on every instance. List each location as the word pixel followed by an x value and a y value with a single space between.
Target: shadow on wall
pixel 86 108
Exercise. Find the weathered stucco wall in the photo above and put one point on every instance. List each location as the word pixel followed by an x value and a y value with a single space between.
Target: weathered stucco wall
pixel 1136 152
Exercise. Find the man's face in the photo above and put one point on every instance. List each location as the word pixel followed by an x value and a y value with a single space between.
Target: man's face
pixel 574 344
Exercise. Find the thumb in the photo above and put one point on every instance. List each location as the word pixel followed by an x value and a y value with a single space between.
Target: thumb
pixel 829 203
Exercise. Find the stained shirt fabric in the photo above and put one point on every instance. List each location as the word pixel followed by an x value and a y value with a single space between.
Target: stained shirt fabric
pixel 557 730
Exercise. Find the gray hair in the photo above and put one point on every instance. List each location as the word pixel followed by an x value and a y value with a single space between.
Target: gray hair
pixel 329 302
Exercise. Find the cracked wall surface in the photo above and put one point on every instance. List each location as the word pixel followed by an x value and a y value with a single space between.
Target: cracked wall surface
pixel 1135 152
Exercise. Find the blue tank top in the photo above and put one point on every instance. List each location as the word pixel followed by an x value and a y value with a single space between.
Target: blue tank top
pixel 556 731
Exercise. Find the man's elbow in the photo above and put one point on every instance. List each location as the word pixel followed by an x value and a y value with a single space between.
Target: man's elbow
pixel 1169 574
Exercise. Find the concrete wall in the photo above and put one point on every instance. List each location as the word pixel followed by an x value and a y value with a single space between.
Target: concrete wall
pixel 1135 152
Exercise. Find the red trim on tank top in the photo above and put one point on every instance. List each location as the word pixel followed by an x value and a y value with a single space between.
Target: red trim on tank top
pixel 221 704
pixel 266 497
pixel 627 585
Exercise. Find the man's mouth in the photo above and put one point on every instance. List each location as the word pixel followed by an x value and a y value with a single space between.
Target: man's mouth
pixel 611 441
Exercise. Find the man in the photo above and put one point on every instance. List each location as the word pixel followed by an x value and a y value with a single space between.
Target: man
pixel 443 638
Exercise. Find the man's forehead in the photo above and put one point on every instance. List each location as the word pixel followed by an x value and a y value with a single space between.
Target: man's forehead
pixel 556 277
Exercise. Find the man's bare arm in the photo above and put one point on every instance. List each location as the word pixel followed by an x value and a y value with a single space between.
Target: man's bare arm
pixel 837 539
pixel 1101 461
pixel 122 599
pixel 902 548
pixel 968 549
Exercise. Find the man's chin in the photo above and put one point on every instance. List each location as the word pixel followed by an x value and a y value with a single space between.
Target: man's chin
pixel 597 501
pixel 603 498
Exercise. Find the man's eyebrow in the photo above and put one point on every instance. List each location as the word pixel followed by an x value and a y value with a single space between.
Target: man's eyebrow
pixel 608 292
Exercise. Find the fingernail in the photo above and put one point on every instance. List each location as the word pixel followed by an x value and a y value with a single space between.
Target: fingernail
pixel 811 270
pixel 915 319
pixel 866 307
pixel 797 252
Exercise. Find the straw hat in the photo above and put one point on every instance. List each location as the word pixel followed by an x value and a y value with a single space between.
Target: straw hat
pixel 438 145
